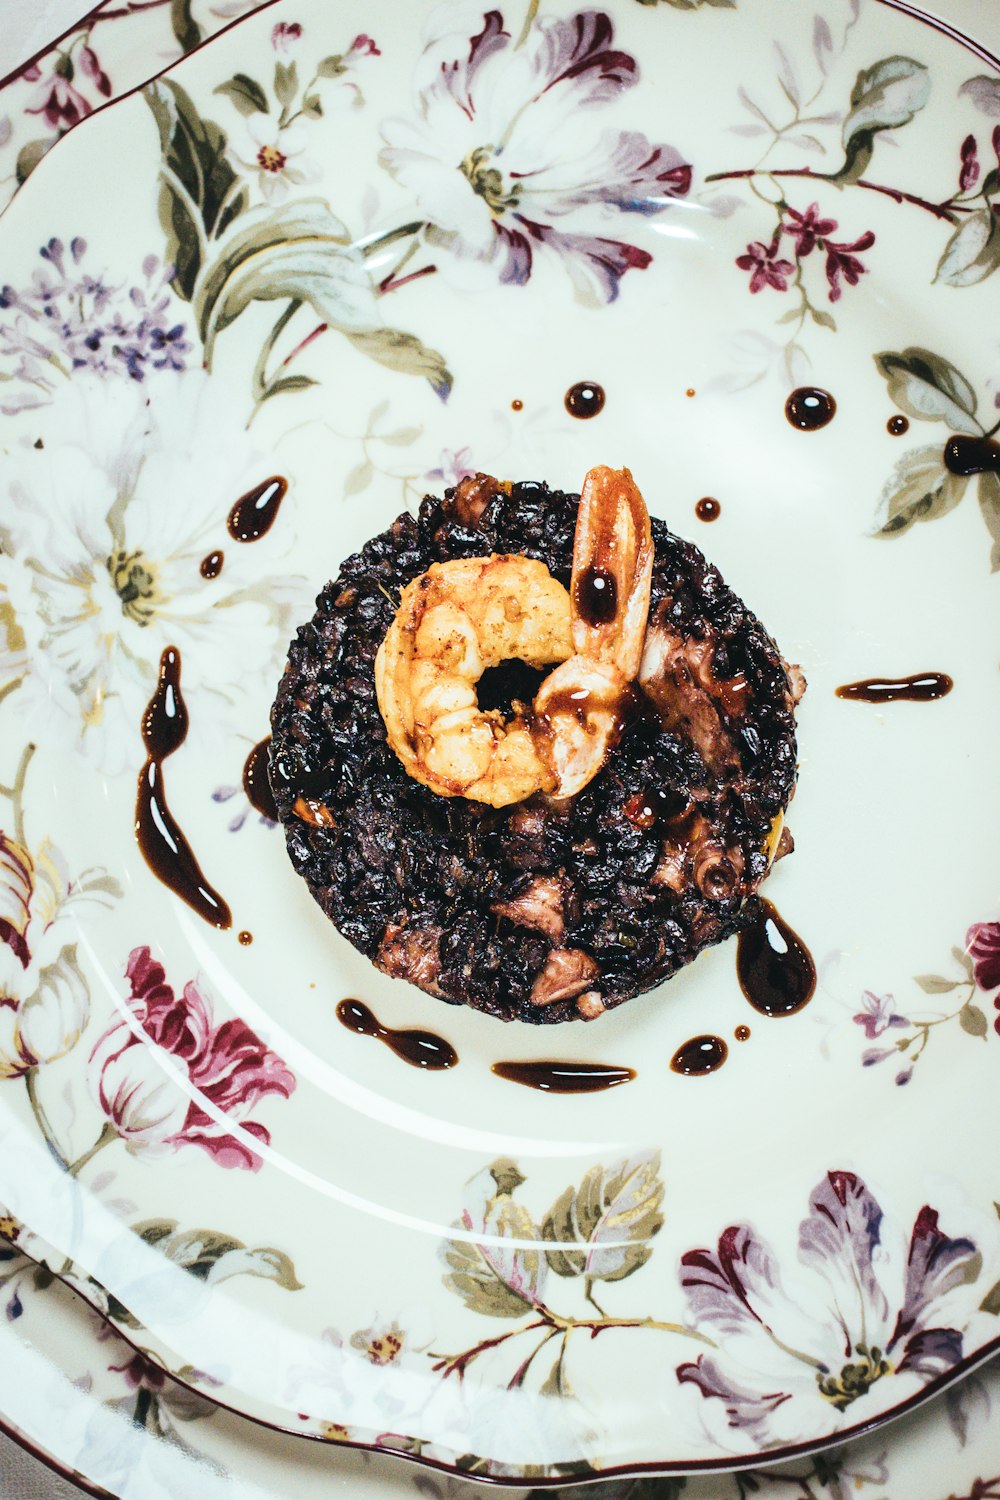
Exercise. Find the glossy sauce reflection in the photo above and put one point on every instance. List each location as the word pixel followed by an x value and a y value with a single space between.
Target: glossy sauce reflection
pixel 922 687
pixel 164 847
pixel 421 1049
pixel 256 783
pixel 774 966
pixel 564 1077
pixel 702 1054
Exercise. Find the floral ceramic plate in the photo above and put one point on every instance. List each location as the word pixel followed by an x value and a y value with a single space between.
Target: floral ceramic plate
pixel 88 1404
pixel 322 271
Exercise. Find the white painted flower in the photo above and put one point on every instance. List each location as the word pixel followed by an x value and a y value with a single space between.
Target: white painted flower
pixel 44 1000
pixel 104 530
pixel 503 149
pixel 371 1386
pixel 277 156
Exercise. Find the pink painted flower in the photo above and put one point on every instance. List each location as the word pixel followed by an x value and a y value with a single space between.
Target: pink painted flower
pixel 364 46
pixel 59 102
pixel 807 229
pixel 877 1014
pixel 765 270
pixel 223 1070
pixel 454 465
pixel 982 942
pixel 285 35
pixel 841 261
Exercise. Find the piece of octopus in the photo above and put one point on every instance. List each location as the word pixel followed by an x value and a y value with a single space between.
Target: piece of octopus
pixel 412 953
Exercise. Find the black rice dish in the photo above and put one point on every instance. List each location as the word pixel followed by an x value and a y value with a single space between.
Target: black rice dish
pixel 544 910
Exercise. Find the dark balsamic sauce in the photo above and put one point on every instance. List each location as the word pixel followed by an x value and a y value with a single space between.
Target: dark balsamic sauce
pixel 809 408
pixel 517 406
pixel 596 596
pixel 564 1077
pixel 972 455
pixel 742 1033
pixel 245 938
pixel 774 966
pixel 255 782
pixel 421 1049
pixel 163 845
pixel 585 399
pixel 702 1054
pixel 211 566
pixel 255 513
pixel 922 687
pixel 896 426
pixel 708 509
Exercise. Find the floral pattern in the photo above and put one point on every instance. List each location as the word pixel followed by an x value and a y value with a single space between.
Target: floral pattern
pixel 509 109
pixel 101 594
pixel 227 1067
pixel 44 996
pixel 520 163
pixel 864 1326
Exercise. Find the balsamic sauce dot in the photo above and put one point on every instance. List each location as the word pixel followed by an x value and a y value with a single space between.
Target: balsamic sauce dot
pixel 809 408
pixel 896 426
pixel 585 399
pixel 708 509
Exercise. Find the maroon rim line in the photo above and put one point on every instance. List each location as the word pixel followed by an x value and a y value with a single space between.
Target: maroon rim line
pixel 52 1463
pixel 136 88
pixel 718 1466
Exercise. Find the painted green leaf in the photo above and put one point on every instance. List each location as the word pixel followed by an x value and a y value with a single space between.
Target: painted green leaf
pixel 286 82
pixel 266 1262
pixel 196 197
pixel 407 354
pixel 214 1257
pixel 185 27
pixel 973 1020
pixel 989 509
pixel 991 1302
pixel 246 93
pixel 29 156
pixel 919 489
pixel 884 97
pixel 183 1403
pixel 934 984
pixel 359 478
pixel 285 385
pixel 612 1215
pixel 964 958
pixel 300 251
pixel 929 388
pixel 973 252
pixel 312 106
pixel 332 67
pixel 402 437
pixel 492 1277
pixel 693 4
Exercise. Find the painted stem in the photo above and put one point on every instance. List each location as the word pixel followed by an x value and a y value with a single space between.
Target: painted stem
pixel 390 285
pixel 939 210
pixel 528 22
pixel 260 381
pixel 42 1119
pixel 133 8
pixel 17 791
pixel 107 1135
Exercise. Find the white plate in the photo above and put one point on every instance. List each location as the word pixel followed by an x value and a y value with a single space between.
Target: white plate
pixel 312 1294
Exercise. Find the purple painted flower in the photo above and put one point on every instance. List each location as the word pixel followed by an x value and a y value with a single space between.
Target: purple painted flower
pixel 70 319
pixel 877 1015
pixel 243 808
pixel 982 942
pixel 842 261
pixel 61 105
pixel 285 35
pixel 454 465
pixel 364 46
pixel 501 150
pixel 808 229
pixel 868 1323
pixel 765 269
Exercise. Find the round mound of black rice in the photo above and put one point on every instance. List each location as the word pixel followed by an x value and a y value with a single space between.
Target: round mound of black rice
pixel 542 911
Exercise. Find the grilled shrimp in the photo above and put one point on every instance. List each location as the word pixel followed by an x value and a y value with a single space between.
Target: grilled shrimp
pixel 461 617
